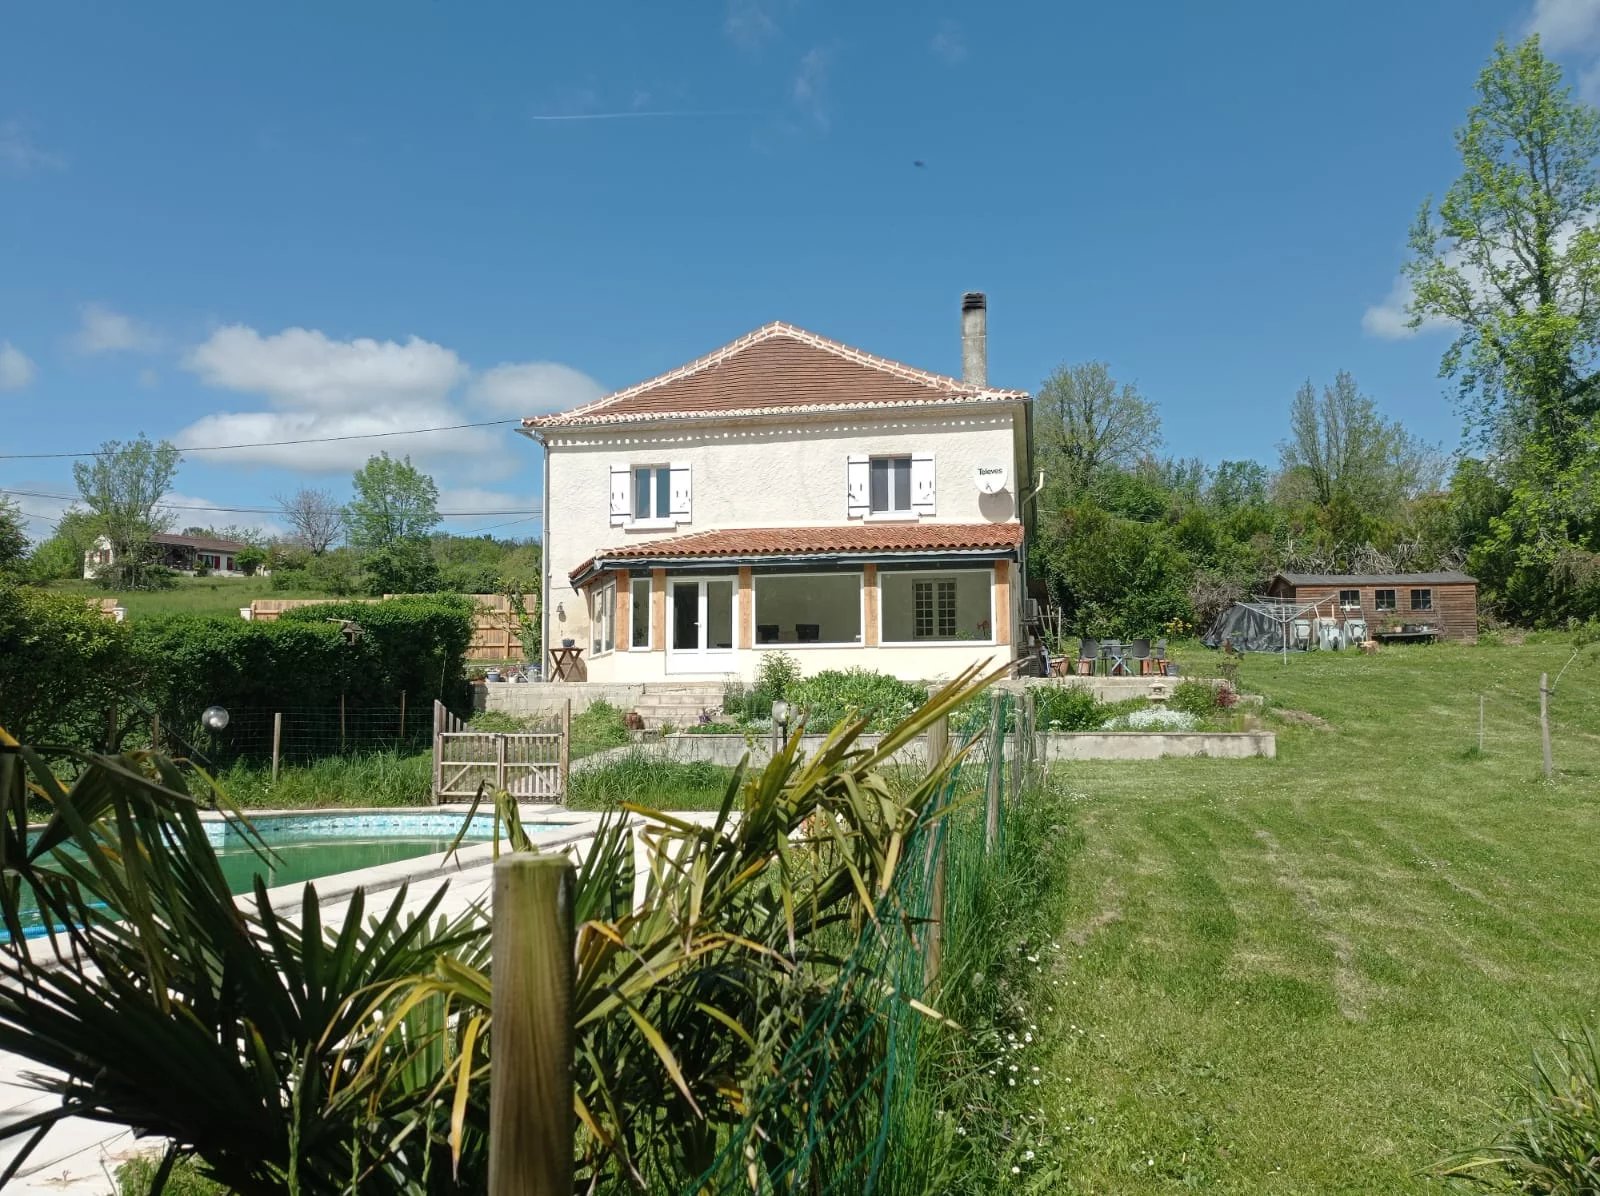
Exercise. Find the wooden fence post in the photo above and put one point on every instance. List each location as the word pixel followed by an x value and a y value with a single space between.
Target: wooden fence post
pixel 277 743
pixel 1018 732
pixel 938 741
pixel 438 762
pixel 566 747
pixel 1480 724
pixel 997 760
pixel 531 1118
pixel 341 720
pixel 1544 724
pixel 499 762
pixel 402 716
pixel 1029 717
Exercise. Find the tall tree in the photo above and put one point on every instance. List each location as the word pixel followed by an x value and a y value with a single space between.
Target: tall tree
pixel 315 518
pixel 122 486
pixel 1085 421
pixel 1512 261
pixel 393 502
pixel 13 539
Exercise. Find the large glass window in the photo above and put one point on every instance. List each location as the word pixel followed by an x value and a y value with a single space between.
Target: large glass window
pixel 889 491
pixel 807 608
pixel 919 607
pixel 639 612
pixel 602 619
pixel 652 492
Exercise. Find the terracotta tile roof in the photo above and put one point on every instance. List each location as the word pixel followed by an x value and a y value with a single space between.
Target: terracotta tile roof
pixel 203 543
pixel 856 539
pixel 775 369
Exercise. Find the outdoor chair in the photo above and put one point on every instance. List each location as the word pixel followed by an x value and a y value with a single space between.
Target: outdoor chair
pixel 808 633
pixel 1088 650
pixel 766 633
pixel 1139 650
pixel 1162 664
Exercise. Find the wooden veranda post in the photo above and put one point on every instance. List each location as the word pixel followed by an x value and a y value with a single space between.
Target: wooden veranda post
pixel 1544 725
pixel 531 1119
pixel 938 748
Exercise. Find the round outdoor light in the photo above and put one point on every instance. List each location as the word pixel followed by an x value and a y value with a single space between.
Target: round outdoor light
pixel 780 711
pixel 215 718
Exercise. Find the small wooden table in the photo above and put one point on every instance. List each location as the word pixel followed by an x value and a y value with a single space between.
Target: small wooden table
pixel 564 663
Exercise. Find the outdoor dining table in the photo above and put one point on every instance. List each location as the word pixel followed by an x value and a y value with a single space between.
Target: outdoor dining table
pixel 564 663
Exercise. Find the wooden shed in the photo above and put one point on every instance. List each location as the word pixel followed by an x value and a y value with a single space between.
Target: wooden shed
pixel 1448 601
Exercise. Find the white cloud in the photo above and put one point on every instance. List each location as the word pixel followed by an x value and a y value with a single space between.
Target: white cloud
pixel 751 24
pixel 148 378
pixel 949 43
pixel 491 452
pixel 19 154
pixel 189 510
pixel 809 92
pixel 1564 25
pixel 16 369
pixel 102 330
pixel 520 521
pixel 534 388
pixel 301 367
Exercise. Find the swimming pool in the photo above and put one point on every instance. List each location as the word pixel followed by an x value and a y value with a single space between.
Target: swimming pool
pixel 311 846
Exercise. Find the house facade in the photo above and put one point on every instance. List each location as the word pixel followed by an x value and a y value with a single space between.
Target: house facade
pixel 185 554
pixel 1447 601
pixel 789 493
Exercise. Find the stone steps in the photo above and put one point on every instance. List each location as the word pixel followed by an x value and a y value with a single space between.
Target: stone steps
pixel 678 705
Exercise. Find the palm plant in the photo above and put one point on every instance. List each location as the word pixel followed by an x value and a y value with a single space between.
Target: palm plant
pixel 726 1005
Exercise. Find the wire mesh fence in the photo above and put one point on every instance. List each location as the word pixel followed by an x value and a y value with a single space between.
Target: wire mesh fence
pixel 834 1113
pixel 304 735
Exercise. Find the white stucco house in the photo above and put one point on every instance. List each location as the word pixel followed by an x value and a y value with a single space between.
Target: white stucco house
pixel 185 554
pixel 788 492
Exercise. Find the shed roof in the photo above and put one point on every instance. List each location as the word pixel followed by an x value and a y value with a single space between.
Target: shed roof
pixel 1445 578
pixel 777 369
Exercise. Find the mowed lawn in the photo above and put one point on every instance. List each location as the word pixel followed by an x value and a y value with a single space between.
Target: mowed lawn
pixel 1323 973
pixel 191 595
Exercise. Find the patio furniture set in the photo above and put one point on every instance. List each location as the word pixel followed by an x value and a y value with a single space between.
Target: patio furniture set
pixel 1114 658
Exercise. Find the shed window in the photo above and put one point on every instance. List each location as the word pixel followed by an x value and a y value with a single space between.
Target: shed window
pixel 1383 600
pixel 1349 597
pixel 1421 599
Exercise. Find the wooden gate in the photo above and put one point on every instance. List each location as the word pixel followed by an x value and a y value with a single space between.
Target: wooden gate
pixel 529 765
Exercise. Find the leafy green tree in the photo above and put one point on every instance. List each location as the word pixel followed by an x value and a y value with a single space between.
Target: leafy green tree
pixel 1511 260
pixel 401 567
pixel 1085 421
pixel 1351 465
pixel 61 555
pixel 122 485
pixel 394 502
pixel 13 539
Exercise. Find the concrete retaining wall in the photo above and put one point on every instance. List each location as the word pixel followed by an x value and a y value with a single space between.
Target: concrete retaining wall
pixel 1054 746
pixel 1107 689
pixel 539 699
pixel 1152 745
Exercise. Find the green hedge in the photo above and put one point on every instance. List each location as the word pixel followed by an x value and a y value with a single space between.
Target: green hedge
pixel 302 661
pixel 829 696
pixel 62 666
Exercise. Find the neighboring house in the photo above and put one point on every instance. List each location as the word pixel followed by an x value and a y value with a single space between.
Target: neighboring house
pixel 183 553
pixel 1448 601
pixel 788 492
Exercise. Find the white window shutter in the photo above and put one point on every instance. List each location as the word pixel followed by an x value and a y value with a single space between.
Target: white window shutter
pixel 681 493
pixel 857 471
pixel 922 484
pixel 621 495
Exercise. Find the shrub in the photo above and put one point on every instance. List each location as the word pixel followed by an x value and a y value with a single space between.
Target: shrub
pixel 650 781
pixel 1068 708
pixel 62 666
pixel 1551 1140
pixel 1153 718
pixel 1198 698
pixel 829 696
pixel 777 674
pixel 596 728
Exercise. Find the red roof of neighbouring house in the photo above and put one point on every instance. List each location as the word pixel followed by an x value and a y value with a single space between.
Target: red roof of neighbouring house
pixel 856 539
pixel 776 369
pixel 204 543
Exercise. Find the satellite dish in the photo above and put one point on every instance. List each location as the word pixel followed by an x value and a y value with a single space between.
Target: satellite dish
pixel 991 477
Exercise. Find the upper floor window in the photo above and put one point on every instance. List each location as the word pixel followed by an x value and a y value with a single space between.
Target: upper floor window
pixel 889 491
pixel 1421 599
pixel 649 496
pixel 1383 599
pixel 1349 597
pixel 898 486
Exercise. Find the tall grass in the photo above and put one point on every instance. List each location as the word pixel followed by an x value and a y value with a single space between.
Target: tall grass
pixel 387 778
pixel 648 780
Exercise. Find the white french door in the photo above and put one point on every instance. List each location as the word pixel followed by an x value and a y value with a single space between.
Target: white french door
pixel 700 625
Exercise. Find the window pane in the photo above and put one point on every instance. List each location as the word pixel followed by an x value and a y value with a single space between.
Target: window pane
pixel 946 606
pixel 719 614
pixel 1349 597
pixel 879 490
pixel 1421 599
pixel 641 493
pixel 639 607
pixel 1383 599
pixel 902 483
pixel 663 492
pixel 686 615
pixel 808 609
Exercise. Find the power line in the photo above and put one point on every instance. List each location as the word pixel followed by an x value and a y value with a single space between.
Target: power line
pixel 222 448
pixel 178 506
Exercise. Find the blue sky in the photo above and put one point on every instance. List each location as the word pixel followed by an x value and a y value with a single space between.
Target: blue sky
pixel 224 223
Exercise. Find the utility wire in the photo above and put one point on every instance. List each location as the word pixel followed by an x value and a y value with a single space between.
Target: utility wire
pixel 532 511
pixel 222 448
